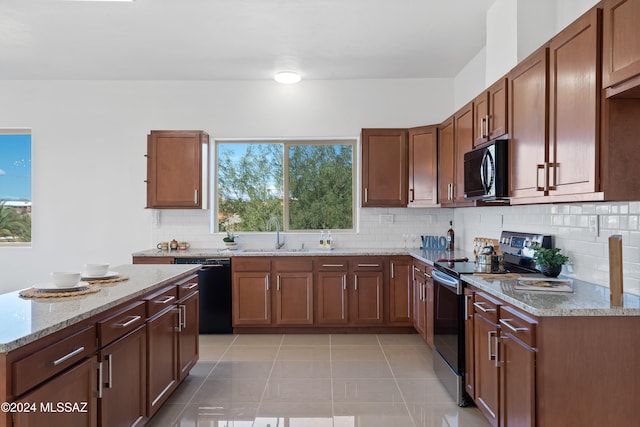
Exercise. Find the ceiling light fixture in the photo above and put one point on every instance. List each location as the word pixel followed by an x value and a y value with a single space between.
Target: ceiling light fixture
pixel 287 77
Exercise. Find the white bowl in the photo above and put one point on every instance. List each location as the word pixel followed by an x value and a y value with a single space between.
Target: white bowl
pixel 96 269
pixel 63 279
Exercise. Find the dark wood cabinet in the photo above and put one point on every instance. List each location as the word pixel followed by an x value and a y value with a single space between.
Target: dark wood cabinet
pixel 384 167
pixel 621 45
pixel 162 357
pixel 490 112
pixel 177 171
pixel 419 319
pixel 366 299
pixel 188 330
pixel 251 298
pixel 423 166
pixel 574 109
pixel 77 386
pixel 400 290
pixel 469 344
pixel 446 163
pixel 463 135
pixel 529 125
pixel 294 298
pixel 152 260
pixel 332 298
pixel 429 312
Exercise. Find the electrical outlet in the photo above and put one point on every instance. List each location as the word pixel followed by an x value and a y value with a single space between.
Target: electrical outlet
pixel 594 224
pixel 385 219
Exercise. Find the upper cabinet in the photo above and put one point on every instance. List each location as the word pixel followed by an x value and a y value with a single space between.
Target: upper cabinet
pixel 490 111
pixel 446 163
pixel 423 166
pixel 621 40
pixel 177 171
pixel 384 167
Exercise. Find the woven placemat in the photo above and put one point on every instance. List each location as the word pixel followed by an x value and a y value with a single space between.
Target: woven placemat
pixel 119 278
pixel 503 276
pixel 35 293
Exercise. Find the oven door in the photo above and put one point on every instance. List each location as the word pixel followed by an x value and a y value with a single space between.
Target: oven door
pixel 448 325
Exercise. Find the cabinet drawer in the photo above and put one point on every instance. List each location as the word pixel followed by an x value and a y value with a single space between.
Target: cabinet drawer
pixel 160 300
pixel 518 325
pixel 297 264
pixel 366 264
pixel 187 286
pixel 251 264
pixel 51 360
pixel 330 264
pixel 121 323
pixel 486 306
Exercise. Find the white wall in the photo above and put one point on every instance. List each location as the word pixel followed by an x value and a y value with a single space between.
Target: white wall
pixel 568 10
pixel 470 81
pixel 502 39
pixel 89 141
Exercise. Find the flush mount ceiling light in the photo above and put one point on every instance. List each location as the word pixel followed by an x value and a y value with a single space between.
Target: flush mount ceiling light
pixel 287 77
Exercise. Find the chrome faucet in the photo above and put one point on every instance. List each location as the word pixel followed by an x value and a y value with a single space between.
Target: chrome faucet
pixel 275 219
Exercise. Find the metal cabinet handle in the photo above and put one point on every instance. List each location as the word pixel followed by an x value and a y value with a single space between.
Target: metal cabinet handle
pixel 333 265
pixel 368 265
pixel 412 195
pixel 554 175
pixel 496 343
pixel 109 358
pixel 486 126
pixel 467 299
pixel 99 391
pixel 266 283
pixel 366 194
pixel 490 335
pixel 427 276
pixel 129 322
pixel 355 283
pixel 195 196
pixel 344 282
pixel 393 275
pixel 421 292
pixel 278 283
pixel 165 300
pixel 545 167
pixel 183 316
pixel 479 306
pixel 68 356
pixel 506 323
pixel 190 286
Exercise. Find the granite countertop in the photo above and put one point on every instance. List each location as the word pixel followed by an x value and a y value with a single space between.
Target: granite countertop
pixel 23 320
pixel 587 299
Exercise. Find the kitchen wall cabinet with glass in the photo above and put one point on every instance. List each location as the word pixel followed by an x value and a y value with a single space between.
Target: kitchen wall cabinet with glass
pixel 177 169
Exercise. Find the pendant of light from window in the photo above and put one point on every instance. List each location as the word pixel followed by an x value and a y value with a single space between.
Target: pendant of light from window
pixel 287 77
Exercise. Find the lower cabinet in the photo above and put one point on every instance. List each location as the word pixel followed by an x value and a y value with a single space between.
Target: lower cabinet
pixel 124 392
pixel 76 388
pixel 366 299
pixel 332 296
pixel 188 333
pixel 162 358
pixel 400 290
pixel 486 366
pixel 423 301
pixel 294 291
pixel 469 344
pixel 251 298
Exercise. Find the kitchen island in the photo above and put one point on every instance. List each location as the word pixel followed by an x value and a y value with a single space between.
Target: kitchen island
pixel 107 358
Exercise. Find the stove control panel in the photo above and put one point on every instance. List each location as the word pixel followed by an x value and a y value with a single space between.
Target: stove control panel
pixel 523 244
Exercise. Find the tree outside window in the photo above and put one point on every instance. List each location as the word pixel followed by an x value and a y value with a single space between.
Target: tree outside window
pixel 15 187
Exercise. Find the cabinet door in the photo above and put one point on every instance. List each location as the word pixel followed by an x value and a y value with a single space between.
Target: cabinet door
pixel 175 169
pixel 366 302
pixel 332 298
pixel 423 166
pixel 418 301
pixel 76 386
pixel 498 124
pixel 294 298
pixel 428 309
pixel 251 298
pixel 400 292
pixel 481 113
pixel 621 41
pixel 517 383
pixel 574 107
pixel 384 167
pixel 463 131
pixel 446 163
pixel 528 113
pixel 469 345
pixel 188 349
pixel 486 370
pixel 162 358
pixel 124 395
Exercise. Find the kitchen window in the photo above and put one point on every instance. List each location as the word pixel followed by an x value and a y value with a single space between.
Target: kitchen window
pixel 15 187
pixel 306 184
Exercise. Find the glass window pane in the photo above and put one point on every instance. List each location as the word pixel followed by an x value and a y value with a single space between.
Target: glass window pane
pixel 15 188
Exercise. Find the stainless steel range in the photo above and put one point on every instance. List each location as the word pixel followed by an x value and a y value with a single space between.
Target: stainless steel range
pixel 448 314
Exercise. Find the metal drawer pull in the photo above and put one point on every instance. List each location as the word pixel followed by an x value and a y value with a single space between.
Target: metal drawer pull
pixel 109 358
pixel 506 323
pixel 278 283
pixel 479 306
pixel 368 265
pixel 467 298
pixel 344 282
pixel 491 334
pixel 428 276
pixel 166 300
pixel 393 275
pixel 129 322
pixel 99 391
pixel 68 356
pixel 355 283
pixel 333 265
pixel 190 286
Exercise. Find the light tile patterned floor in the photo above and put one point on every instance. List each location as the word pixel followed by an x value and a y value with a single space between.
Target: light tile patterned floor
pixel 342 380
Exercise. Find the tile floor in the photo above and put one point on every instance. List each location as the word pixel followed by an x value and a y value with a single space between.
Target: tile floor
pixel 314 381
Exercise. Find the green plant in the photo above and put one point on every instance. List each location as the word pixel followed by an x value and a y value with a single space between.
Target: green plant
pixel 549 257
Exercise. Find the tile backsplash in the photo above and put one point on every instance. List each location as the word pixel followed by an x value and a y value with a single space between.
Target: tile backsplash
pixel 581 230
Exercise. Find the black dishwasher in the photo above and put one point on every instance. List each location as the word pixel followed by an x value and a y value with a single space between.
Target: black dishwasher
pixel 214 284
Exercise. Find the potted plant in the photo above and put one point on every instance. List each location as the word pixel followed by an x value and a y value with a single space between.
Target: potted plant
pixel 229 226
pixel 550 261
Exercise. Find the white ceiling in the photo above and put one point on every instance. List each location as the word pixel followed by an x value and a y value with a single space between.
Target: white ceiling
pixel 239 39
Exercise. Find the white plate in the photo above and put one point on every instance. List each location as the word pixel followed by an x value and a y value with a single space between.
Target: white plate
pixel 109 275
pixel 50 287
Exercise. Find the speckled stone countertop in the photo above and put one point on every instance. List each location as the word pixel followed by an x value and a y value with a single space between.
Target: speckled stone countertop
pixel 23 320
pixel 587 299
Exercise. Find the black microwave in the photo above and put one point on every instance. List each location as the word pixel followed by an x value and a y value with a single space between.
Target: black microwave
pixel 486 172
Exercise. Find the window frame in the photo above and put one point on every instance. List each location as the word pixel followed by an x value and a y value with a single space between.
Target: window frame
pixel 287 142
